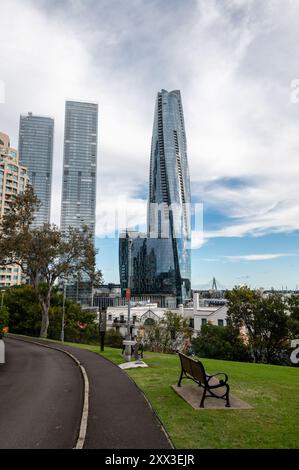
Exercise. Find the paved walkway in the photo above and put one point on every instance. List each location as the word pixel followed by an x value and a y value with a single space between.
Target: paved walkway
pixel 41 398
pixel 119 415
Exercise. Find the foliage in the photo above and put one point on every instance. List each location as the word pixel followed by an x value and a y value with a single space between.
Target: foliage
pixel 265 320
pixel 24 310
pixel 113 338
pixel 4 318
pixel 167 334
pixel 44 254
pixel 220 342
pixel 293 306
pixel 25 316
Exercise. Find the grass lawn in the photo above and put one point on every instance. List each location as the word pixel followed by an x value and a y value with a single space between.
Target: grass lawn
pixel 273 391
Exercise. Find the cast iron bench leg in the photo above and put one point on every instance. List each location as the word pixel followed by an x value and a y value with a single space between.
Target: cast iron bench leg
pixel 203 398
pixel 227 396
pixel 180 379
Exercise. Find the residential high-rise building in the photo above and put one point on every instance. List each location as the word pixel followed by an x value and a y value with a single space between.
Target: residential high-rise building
pixel 36 135
pixel 159 262
pixel 78 203
pixel 13 180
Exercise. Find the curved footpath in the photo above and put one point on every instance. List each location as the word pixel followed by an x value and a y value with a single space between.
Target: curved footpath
pixel 119 416
pixel 40 398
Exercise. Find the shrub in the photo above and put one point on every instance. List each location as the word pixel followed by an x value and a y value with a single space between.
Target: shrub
pixel 113 338
pixel 4 315
pixel 220 342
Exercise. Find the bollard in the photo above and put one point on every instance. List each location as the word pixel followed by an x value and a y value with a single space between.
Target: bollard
pixel 128 344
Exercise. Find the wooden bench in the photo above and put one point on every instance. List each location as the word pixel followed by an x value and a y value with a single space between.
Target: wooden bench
pixel 194 370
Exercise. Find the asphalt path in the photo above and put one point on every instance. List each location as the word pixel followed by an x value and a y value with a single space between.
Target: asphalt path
pixel 41 397
pixel 119 415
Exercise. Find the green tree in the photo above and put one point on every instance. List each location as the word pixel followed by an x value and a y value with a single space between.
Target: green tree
pixel 25 315
pixel 24 310
pixel 265 320
pixel 220 342
pixel 44 254
pixel 167 334
pixel 4 319
pixel 293 306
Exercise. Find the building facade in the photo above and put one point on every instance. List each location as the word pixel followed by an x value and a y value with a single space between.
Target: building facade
pixel 13 180
pixel 36 135
pixel 78 203
pixel 160 261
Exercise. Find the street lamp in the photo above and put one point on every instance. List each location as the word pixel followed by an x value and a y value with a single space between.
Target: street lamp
pixel 128 341
pixel 63 312
pixel 129 289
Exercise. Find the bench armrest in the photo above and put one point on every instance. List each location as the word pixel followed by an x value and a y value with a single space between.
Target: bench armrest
pixel 209 377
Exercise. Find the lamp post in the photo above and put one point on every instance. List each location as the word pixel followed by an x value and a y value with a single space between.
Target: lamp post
pixel 128 341
pixel 63 313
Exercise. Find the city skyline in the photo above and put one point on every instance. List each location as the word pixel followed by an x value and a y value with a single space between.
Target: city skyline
pixel 242 123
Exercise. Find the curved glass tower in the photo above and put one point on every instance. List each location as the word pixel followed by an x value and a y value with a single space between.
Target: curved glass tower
pixel 169 210
pixel 159 261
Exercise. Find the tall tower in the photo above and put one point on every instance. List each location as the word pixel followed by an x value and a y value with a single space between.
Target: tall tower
pixel 169 210
pixel 159 261
pixel 13 180
pixel 36 134
pixel 78 205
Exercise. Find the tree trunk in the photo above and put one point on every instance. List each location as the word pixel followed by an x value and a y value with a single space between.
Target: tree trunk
pixel 45 305
pixel 45 320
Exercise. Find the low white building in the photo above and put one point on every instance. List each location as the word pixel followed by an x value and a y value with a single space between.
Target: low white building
pixel 146 313
pixel 140 315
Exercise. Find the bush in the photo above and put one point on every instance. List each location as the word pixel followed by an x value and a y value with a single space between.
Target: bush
pixel 113 338
pixel 4 316
pixel 167 335
pixel 220 342
pixel 25 316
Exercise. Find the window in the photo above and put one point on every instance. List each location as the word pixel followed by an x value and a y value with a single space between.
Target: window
pixel 220 323
pixel 203 321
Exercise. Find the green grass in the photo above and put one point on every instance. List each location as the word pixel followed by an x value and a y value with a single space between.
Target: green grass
pixel 273 391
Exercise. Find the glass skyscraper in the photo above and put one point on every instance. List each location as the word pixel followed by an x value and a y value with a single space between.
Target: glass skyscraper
pixel 159 262
pixel 78 203
pixel 36 135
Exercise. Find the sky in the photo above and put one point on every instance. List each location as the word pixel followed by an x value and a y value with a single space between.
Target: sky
pixel 236 64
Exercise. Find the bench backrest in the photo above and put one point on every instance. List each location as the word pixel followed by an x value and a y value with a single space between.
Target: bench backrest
pixel 193 368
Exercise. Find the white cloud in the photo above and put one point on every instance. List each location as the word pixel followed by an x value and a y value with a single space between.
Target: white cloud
pixel 258 257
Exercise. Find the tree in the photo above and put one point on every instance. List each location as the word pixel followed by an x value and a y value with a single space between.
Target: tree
pixel 4 319
pixel 220 342
pixel 293 306
pixel 25 315
pixel 265 321
pixel 24 310
pixel 167 334
pixel 45 254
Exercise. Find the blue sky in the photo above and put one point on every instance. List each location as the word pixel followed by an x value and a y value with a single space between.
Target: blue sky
pixel 234 62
